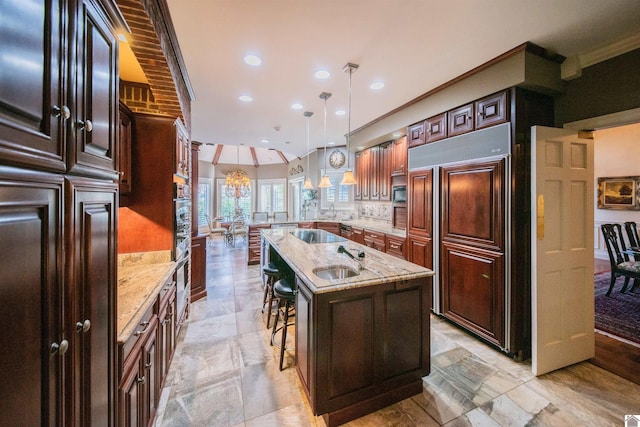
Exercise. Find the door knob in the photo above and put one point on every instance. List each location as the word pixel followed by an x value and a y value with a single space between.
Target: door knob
pixel 83 326
pixel 59 348
pixel 86 125
pixel 63 112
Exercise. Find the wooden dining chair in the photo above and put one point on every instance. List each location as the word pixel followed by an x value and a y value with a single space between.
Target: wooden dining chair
pixel 620 263
pixel 632 234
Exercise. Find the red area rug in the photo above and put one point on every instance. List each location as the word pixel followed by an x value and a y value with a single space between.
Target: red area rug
pixel 618 314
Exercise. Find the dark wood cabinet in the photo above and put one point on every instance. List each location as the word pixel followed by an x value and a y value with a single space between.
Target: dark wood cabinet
pixel 373 173
pixel 124 153
pixel 382 171
pixel 415 135
pixel 90 222
pixel 472 252
pixel 375 240
pixel 362 173
pixel 183 150
pixel 380 357
pixel 199 267
pixel 357 235
pixel 331 227
pixel 492 110
pixel 420 204
pixel 399 157
pixel 35 341
pixel 358 172
pixel 373 176
pixel 420 250
pixel 253 245
pixel 436 128
pixel 460 120
pixel 395 246
pixel 58 231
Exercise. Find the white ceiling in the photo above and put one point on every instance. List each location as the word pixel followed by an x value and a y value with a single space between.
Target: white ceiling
pixel 412 46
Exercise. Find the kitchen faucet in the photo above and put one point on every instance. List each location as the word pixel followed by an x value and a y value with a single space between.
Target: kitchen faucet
pixel 333 211
pixel 359 260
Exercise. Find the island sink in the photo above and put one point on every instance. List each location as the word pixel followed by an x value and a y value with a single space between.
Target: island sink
pixel 335 272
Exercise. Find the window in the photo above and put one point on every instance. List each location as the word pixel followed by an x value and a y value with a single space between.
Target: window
pixel 271 195
pixel 227 205
pixel 204 200
pixel 340 196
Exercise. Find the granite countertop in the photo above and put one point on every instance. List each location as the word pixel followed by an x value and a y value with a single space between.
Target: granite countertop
pixel 361 223
pixel 138 287
pixel 304 257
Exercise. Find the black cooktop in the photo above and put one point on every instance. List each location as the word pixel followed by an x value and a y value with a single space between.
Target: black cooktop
pixel 317 236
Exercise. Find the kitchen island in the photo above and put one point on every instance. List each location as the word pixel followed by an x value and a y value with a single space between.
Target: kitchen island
pixel 361 340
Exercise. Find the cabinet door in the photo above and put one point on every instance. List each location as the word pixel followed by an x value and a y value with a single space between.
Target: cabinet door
pixel 304 337
pixel 420 202
pixel 129 399
pixel 364 175
pixel 420 251
pixel 357 235
pixel 383 172
pixel 436 128
pixel 357 194
pixel 399 157
pixel 199 264
pixel 415 135
pixel 151 385
pixel 492 110
pixel 460 120
pixel 183 150
pixel 96 91
pixel 33 110
pixel 31 298
pixel 91 286
pixel 373 175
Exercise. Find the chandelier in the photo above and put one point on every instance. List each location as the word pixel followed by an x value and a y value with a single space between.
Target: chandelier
pixel 238 183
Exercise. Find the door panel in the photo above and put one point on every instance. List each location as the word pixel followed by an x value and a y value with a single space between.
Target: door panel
pixel 473 204
pixel 420 203
pixel 562 248
pixel 31 302
pixel 93 220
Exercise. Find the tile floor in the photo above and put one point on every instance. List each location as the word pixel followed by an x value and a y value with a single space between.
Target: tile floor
pixel 225 373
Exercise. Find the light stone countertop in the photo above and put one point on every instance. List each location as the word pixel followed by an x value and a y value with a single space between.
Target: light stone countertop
pixel 304 257
pixel 138 286
pixel 372 225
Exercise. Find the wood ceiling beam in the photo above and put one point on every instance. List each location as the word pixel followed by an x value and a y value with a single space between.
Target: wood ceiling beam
pixel 283 157
pixel 255 158
pixel 217 154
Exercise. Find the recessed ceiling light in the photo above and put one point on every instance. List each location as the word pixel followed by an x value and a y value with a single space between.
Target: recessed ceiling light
pixel 245 98
pixel 252 60
pixel 361 147
pixel 331 143
pixel 340 113
pixel 322 74
pixel 377 85
pixel 264 141
pixel 296 106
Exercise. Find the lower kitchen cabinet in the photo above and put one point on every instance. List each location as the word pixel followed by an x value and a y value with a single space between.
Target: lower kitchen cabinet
pixel 395 246
pixel 375 240
pixel 198 267
pixel 420 251
pixel 362 348
pixel 331 227
pixel 253 245
pixel 144 359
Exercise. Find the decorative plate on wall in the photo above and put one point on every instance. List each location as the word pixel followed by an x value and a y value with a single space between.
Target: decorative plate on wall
pixel 336 159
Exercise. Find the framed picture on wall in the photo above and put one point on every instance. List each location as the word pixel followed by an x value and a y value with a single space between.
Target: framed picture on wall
pixel 622 192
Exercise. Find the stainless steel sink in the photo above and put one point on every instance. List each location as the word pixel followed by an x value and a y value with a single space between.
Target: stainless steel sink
pixel 335 272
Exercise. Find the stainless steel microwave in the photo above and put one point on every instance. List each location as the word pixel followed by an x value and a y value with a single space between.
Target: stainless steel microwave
pixel 399 194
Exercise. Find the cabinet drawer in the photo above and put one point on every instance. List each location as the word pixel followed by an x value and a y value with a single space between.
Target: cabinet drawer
pixel 491 110
pixel 395 246
pixel 375 240
pixel 138 335
pixel 436 128
pixel 460 120
pixel 415 135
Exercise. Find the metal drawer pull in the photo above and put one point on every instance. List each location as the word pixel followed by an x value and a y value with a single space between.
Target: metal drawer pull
pixel 146 325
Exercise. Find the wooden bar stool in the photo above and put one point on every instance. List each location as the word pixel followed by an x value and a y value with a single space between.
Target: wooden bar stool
pixel 272 274
pixel 285 293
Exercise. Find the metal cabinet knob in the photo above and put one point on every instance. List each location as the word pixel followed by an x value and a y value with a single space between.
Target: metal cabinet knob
pixel 140 380
pixel 86 125
pixel 83 326
pixel 63 112
pixel 59 348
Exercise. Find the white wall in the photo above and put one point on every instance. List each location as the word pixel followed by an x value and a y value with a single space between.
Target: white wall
pixel 617 153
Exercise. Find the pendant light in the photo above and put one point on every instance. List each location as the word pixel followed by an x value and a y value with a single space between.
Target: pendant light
pixel 307 182
pixel 324 181
pixel 348 178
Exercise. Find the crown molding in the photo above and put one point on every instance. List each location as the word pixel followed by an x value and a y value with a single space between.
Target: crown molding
pixel 572 67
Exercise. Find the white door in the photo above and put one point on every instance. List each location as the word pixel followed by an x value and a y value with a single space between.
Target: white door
pixel 562 249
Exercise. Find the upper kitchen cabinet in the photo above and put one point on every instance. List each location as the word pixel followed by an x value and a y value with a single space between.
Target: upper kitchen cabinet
pixel 399 157
pixel 492 110
pixel 59 113
pixel 124 153
pixel 460 120
pixel 415 135
pixel 435 128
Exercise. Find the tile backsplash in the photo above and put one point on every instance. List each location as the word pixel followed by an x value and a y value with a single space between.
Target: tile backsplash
pixel 374 210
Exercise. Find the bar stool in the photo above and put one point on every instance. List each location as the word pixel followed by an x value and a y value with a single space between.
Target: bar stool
pixel 284 292
pixel 273 274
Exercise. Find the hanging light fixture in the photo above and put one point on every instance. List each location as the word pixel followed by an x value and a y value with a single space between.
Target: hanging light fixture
pixel 238 183
pixel 324 181
pixel 348 178
pixel 307 182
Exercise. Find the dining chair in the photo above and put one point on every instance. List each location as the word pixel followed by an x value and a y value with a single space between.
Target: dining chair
pixel 632 234
pixel 619 259
pixel 238 228
pixel 260 216
pixel 280 216
pixel 214 231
